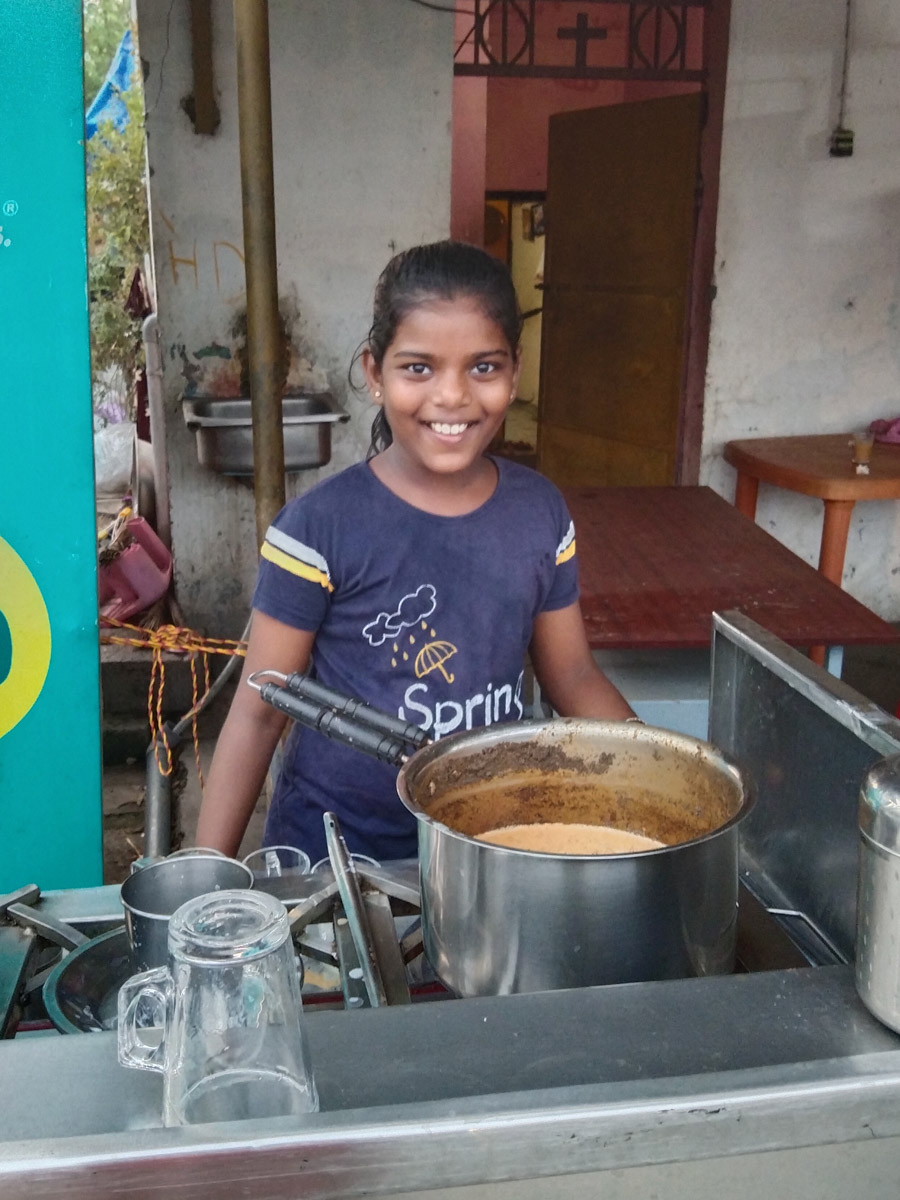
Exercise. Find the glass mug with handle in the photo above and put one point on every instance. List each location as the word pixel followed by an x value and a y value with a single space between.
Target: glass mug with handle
pixel 228 1007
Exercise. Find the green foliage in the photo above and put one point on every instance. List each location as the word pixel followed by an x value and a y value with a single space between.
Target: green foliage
pixel 118 227
pixel 104 23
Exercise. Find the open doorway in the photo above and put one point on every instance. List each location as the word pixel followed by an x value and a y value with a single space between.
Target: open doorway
pixel 514 233
pixel 504 109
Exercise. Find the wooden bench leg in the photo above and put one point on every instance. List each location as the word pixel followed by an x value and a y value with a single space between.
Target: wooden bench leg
pixel 834 539
pixel 745 494
pixel 835 529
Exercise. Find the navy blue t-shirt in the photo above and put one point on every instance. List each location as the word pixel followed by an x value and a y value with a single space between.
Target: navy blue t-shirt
pixel 424 616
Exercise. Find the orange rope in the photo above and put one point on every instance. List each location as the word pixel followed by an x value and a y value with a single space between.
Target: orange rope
pixel 173 639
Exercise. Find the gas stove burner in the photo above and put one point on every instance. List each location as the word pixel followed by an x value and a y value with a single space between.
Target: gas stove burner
pixel 374 929
pixel 80 993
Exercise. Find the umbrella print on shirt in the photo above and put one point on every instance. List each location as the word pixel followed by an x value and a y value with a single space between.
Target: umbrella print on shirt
pixel 433 656
pixel 413 611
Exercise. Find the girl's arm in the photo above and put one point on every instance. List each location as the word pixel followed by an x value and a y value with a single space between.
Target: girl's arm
pixel 249 736
pixel 566 671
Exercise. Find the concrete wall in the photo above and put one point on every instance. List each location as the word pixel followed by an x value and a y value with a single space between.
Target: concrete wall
pixel 468 169
pixel 518 110
pixel 500 125
pixel 806 319
pixel 361 116
pixel 805 323
pixel 518 114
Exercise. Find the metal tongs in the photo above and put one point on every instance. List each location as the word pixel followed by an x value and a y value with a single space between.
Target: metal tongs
pixel 369 949
pixel 354 910
pixel 340 717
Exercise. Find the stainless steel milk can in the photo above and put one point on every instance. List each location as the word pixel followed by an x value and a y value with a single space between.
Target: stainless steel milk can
pixel 878 903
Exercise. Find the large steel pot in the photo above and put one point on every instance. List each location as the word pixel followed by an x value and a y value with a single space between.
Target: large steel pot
pixel 497 920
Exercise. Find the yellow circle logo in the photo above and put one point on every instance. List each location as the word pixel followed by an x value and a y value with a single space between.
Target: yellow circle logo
pixel 24 639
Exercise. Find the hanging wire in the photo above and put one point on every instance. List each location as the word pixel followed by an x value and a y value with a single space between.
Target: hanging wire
pixel 447 8
pixel 846 64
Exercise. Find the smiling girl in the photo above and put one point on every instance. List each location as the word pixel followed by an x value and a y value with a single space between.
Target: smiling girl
pixel 418 580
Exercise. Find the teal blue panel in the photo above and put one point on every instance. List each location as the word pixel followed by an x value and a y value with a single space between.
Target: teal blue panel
pixel 50 773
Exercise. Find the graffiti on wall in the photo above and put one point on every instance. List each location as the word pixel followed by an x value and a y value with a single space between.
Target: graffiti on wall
pixel 215 263
pixel 219 366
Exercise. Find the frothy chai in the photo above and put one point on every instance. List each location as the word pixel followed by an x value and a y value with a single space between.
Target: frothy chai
pixel 554 837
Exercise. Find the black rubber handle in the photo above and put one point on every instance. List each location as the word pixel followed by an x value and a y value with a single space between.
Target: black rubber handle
pixel 374 742
pixel 357 710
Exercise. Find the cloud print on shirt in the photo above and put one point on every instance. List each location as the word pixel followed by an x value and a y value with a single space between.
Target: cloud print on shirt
pixel 410 611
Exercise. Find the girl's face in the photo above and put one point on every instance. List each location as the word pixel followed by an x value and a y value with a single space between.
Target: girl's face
pixel 446 381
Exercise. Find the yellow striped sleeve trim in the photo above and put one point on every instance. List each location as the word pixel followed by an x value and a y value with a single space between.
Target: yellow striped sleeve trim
pixel 566 554
pixel 566 548
pixel 303 570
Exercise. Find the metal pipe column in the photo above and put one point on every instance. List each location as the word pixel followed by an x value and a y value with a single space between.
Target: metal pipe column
pixel 264 336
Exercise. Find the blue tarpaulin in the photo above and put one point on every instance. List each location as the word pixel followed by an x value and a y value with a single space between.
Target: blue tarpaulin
pixel 108 103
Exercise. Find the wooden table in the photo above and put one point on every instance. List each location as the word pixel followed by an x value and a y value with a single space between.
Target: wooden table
pixel 816 466
pixel 656 562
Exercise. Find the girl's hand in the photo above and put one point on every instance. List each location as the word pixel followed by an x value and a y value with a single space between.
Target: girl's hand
pixel 565 668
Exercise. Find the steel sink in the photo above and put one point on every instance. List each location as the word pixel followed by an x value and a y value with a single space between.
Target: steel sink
pixel 222 428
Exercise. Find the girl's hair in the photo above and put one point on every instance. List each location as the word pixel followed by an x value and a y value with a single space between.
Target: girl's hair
pixel 439 271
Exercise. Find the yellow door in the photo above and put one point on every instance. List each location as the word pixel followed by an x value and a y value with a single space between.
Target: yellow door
pixel 621 201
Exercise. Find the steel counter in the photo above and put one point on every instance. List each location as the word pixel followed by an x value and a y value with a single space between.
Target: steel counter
pixel 443 1095
pixel 777 1083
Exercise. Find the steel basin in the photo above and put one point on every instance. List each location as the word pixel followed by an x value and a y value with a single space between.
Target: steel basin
pixel 223 431
pixel 499 921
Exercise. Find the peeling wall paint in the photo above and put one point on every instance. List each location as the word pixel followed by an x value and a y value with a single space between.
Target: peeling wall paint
pixel 361 109
pixel 804 334
pixel 222 368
